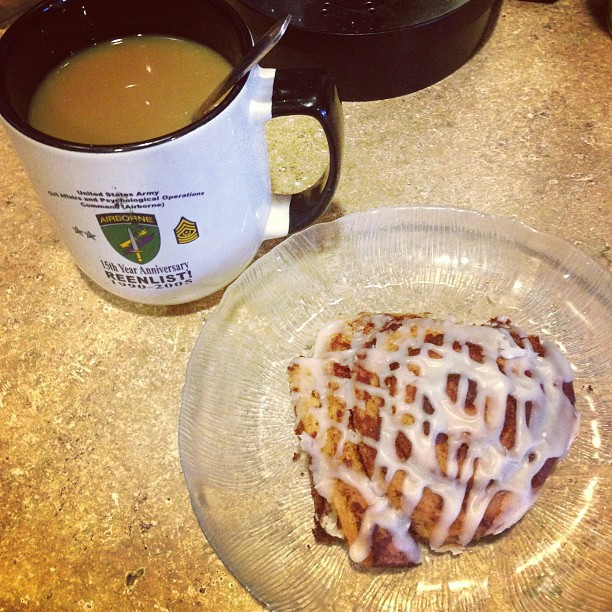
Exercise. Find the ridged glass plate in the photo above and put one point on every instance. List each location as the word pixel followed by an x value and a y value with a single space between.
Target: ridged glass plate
pixel 237 445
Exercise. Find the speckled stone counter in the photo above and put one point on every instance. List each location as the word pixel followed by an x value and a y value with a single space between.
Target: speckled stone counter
pixel 94 512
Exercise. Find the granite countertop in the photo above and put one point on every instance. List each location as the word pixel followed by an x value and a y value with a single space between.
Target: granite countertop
pixel 95 513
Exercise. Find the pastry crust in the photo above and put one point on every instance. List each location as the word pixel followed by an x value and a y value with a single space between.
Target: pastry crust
pixel 420 429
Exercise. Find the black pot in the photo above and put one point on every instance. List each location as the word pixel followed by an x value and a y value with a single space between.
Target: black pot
pixel 374 49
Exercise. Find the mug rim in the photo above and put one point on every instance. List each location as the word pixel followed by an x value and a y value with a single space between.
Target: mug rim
pixel 14 119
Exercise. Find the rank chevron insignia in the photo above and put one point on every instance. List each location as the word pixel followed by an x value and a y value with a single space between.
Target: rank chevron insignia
pixel 186 231
pixel 133 235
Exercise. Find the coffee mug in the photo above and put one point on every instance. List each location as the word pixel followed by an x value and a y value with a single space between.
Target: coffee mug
pixel 176 217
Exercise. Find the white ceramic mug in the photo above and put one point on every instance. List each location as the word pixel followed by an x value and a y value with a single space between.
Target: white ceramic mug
pixel 178 217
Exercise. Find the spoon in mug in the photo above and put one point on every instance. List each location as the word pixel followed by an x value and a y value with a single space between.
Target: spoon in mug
pixel 253 55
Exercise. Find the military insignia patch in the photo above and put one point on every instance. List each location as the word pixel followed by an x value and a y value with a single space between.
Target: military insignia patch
pixel 186 231
pixel 133 235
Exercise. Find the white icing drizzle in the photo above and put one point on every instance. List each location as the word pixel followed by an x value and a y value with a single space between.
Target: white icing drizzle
pixel 385 351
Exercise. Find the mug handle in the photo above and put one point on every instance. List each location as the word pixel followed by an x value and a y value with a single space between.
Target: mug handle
pixel 312 93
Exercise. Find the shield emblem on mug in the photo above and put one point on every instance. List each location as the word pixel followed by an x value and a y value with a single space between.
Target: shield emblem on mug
pixel 135 236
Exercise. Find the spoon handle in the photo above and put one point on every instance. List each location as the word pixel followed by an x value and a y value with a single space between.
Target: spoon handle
pixel 253 55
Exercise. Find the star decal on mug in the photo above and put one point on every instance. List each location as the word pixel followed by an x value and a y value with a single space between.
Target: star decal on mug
pixel 81 232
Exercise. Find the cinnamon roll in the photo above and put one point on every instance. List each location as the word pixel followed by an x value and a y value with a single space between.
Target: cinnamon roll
pixel 426 431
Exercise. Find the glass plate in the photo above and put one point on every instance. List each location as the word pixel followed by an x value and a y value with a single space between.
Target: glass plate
pixel 252 497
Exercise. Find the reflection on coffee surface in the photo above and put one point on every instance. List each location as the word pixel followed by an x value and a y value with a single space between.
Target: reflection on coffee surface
pixel 127 90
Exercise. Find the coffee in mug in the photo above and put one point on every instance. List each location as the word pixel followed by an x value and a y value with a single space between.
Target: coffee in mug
pixel 127 90
pixel 174 215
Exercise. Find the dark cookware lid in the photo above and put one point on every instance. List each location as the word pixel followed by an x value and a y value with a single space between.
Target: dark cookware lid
pixel 355 16
pixel 373 48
